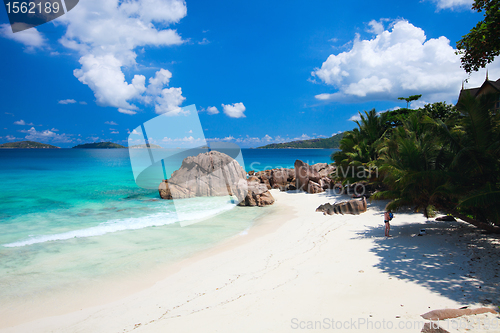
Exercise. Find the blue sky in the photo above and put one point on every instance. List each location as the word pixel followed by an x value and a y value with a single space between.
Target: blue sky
pixel 258 72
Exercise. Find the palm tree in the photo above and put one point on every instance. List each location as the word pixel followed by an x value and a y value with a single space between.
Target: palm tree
pixel 413 161
pixel 358 148
pixel 477 159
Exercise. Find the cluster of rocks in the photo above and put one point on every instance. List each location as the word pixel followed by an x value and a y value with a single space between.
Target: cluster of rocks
pixel 309 178
pixel 355 207
pixel 217 174
pixel 257 195
pixel 214 174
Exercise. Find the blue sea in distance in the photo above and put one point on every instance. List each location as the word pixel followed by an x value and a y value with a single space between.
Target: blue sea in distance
pixel 71 216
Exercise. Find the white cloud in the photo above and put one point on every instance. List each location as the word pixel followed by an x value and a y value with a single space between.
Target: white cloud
pixel 156 83
pixel 67 101
pixel 397 62
pixel 115 132
pixel 10 138
pixel 110 123
pixel 302 137
pixel 125 111
pixel 107 33
pixel 104 76
pixel 212 110
pixel 169 102
pixel 356 117
pixel 83 103
pixel 34 135
pixel 22 122
pixel 453 4
pixel 31 38
pixel 204 42
pixel 375 27
pixel 182 140
pixel 235 110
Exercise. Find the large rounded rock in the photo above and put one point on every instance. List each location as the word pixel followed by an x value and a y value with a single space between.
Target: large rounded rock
pixel 208 174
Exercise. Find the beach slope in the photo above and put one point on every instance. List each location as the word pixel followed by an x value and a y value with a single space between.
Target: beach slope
pixel 300 270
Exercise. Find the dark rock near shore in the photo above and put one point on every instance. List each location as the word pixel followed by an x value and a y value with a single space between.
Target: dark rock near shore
pixel 354 207
pixel 313 178
pixel 445 218
pixel 257 195
pixel 309 178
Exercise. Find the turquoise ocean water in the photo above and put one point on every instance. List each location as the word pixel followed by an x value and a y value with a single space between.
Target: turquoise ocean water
pixel 71 216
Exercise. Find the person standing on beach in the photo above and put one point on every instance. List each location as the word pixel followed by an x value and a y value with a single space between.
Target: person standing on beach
pixel 387 217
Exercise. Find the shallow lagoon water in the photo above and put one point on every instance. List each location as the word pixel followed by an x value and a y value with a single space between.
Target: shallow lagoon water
pixel 71 217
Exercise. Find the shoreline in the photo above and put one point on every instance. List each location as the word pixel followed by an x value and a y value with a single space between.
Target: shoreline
pixel 295 263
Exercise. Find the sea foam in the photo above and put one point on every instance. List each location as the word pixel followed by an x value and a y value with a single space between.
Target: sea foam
pixel 199 211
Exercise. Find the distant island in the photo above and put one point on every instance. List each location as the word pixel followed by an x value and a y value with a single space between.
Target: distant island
pixel 328 143
pixel 100 145
pixel 27 145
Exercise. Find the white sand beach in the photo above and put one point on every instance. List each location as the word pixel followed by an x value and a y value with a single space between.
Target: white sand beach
pixel 300 270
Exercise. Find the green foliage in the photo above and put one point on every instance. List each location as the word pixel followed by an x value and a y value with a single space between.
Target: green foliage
pixel 481 45
pixel 332 142
pixel 26 145
pixel 409 99
pixel 439 157
pixel 99 145
pixel 358 148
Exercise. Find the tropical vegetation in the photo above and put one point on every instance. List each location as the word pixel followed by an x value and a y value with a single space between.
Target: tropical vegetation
pixel 481 45
pixel 436 158
pixel 99 145
pixel 27 145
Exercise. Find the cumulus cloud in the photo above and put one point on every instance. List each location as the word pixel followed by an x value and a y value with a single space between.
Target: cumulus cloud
pixel 375 27
pixel 397 62
pixel 125 111
pixel 185 139
pixel 211 110
pixel 235 110
pixel 67 101
pixel 31 38
pixel 47 135
pixel 22 122
pixel 106 34
pixel 110 123
pixel 169 102
pixel 453 4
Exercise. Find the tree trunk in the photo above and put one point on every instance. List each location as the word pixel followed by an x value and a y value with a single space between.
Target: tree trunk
pixel 479 224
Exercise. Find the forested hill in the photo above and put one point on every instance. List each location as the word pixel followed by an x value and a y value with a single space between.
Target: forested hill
pixel 100 145
pixel 332 142
pixel 27 145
